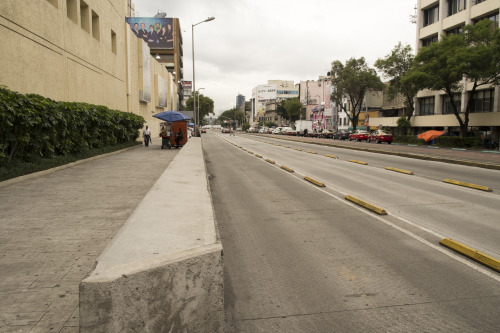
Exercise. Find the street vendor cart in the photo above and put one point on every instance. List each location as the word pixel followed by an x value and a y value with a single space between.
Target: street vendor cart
pixel 173 122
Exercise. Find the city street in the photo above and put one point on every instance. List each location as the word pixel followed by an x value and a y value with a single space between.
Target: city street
pixel 301 258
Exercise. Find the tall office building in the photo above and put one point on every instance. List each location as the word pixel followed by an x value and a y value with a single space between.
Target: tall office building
pixel 240 100
pixel 436 18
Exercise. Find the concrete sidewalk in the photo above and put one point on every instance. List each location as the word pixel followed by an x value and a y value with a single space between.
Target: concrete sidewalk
pixel 53 228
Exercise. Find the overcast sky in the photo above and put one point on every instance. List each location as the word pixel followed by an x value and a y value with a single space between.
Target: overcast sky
pixel 253 41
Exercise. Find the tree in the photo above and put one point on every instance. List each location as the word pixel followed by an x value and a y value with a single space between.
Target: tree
pixel 233 116
pixel 293 109
pixel 206 105
pixel 396 67
pixel 474 56
pixel 352 81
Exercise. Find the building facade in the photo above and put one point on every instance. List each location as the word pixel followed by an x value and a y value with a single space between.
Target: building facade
pixel 315 96
pixel 83 51
pixel 274 91
pixel 436 18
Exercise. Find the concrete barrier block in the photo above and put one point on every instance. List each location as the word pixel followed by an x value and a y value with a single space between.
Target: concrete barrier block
pixel 181 292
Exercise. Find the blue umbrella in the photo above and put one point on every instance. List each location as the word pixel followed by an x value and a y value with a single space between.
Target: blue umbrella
pixel 171 116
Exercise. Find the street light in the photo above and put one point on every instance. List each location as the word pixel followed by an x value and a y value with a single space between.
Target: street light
pixel 197 120
pixel 198 111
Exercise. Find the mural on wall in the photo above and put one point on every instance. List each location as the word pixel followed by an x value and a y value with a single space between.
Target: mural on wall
pixel 158 33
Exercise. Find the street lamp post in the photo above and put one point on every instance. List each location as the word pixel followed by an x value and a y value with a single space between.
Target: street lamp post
pixel 197 120
pixel 198 111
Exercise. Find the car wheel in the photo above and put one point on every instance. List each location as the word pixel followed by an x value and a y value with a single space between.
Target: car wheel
pixel 357 140
pixel 389 142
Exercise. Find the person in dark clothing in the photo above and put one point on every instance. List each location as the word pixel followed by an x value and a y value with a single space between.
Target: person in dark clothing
pixel 179 136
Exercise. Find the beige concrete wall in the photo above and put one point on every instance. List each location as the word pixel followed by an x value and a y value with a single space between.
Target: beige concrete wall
pixel 50 54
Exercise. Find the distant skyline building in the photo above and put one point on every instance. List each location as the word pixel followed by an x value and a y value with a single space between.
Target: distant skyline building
pixel 273 91
pixel 240 100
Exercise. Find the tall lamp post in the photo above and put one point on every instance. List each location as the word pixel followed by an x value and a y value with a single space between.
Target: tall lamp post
pixel 198 91
pixel 197 120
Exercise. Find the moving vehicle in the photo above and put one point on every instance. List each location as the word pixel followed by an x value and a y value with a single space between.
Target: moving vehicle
pixel 380 136
pixel 359 135
pixel 226 130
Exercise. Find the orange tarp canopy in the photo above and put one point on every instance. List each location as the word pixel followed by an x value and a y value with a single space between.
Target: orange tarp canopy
pixel 430 135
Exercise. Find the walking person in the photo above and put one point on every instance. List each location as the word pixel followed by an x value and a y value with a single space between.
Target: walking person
pixel 179 136
pixel 147 136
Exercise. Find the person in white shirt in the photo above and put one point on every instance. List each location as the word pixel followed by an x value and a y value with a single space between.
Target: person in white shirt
pixel 147 136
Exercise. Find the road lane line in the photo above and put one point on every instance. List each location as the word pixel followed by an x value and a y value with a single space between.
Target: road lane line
pixel 359 162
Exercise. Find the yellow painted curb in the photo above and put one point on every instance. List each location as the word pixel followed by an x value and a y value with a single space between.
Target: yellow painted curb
pixel 472 253
pixel 277 144
pixel 399 170
pixel 287 168
pixel 474 186
pixel 359 162
pixel 331 156
pixel 270 161
pixel 250 152
pixel 286 146
pixel 314 181
pixel 259 156
pixel 298 149
pixel 312 152
pixel 366 205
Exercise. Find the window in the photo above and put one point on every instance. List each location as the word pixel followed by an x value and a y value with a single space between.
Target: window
pixel 54 3
pixel 71 10
pixel 455 6
pixel 492 17
pixel 431 15
pixel 479 1
pixel 95 26
pixel 428 41
pixel 84 16
pixel 426 106
pixel 447 107
pixel 482 101
pixel 113 41
pixel 456 31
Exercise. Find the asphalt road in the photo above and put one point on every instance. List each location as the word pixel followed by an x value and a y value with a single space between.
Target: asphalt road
pixel 299 258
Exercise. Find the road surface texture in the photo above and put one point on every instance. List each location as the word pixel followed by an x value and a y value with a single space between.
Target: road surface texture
pixel 298 258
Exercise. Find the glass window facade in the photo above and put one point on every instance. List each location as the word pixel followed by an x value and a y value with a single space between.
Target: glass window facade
pixel 431 15
pixel 482 101
pixel 426 106
pixel 447 107
pixel 455 6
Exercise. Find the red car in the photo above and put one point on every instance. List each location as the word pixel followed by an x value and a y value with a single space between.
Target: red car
pixel 359 135
pixel 380 136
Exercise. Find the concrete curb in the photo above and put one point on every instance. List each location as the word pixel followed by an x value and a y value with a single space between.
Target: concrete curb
pixel 366 205
pixel 464 184
pixel 163 271
pixel 314 181
pixel 471 253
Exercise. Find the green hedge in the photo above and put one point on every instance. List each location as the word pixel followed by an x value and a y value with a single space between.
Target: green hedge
pixel 442 141
pixel 31 125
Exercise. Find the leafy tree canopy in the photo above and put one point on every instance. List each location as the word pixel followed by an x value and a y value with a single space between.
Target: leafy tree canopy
pixel 396 67
pixel 352 81
pixel 206 105
pixel 293 108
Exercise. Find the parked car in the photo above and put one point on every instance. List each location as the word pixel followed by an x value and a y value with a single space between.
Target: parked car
pixel 326 134
pixel 277 130
pixel 359 135
pixel 380 136
pixel 263 130
pixel 288 131
pixel 341 135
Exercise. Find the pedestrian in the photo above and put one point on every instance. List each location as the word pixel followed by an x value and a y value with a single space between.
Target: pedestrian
pixel 147 136
pixel 179 136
